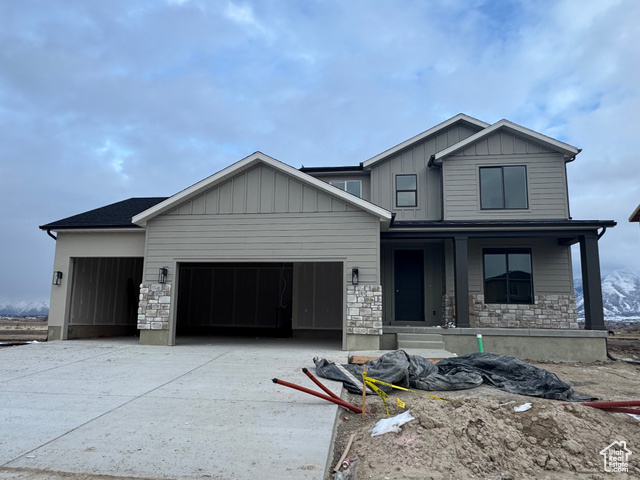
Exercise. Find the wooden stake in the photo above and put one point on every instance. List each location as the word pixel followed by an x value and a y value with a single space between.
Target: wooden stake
pixel 344 454
pixel 364 393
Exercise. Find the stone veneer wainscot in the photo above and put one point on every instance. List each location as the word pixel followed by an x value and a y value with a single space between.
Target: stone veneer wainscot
pixel 547 311
pixel 154 305
pixel 364 309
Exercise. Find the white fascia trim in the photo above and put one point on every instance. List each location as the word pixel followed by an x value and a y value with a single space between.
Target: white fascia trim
pixel 423 135
pixel 99 230
pixel 246 163
pixel 569 151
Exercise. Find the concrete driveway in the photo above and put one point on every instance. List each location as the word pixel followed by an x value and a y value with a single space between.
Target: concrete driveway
pixel 204 409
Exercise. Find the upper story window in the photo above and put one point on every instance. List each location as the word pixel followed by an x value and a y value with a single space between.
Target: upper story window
pixel 406 190
pixel 507 275
pixel 503 188
pixel 354 187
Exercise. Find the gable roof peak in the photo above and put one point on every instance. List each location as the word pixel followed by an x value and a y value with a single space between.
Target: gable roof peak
pixel 244 165
pixel 459 118
pixel 569 151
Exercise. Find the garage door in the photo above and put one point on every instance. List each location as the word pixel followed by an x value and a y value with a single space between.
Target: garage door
pixel 270 299
pixel 235 298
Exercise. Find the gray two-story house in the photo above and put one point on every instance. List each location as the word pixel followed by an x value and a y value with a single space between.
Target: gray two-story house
pixel 462 229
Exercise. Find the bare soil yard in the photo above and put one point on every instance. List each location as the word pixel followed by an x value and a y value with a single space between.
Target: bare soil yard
pixel 477 434
pixel 13 329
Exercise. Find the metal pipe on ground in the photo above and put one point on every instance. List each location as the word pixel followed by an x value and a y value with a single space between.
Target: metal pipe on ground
pixel 337 401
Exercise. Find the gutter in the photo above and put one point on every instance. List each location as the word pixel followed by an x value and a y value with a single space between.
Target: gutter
pixel 51 234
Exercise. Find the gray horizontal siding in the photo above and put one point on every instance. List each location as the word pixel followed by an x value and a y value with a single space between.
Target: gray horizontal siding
pixel 551 264
pixel 350 235
pixel 414 161
pixel 546 185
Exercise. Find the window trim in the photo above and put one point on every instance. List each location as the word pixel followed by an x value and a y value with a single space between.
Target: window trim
pixel 504 199
pixel 413 190
pixel 506 251
pixel 333 183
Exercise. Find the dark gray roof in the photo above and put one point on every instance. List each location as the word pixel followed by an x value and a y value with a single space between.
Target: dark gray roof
pixel 116 215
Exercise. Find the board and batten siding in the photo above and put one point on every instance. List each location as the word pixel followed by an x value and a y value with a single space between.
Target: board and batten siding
pixel 413 160
pixel 546 180
pixel 261 189
pixel 551 264
pixel 264 215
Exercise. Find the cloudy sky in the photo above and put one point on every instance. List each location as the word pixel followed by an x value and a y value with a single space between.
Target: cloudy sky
pixel 106 100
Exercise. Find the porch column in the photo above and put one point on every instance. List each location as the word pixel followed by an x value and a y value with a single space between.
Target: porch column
pixel 591 282
pixel 461 261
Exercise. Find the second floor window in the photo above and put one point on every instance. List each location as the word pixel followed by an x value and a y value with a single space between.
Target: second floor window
pixel 406 191
pixel 503 188
pixel 354 187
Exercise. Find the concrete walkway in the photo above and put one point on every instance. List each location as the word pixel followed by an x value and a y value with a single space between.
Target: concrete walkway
pixel 203 409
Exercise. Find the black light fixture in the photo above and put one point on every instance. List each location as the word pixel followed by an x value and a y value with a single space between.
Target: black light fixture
pixel 57 278
pixel 162 274
pixel 354 275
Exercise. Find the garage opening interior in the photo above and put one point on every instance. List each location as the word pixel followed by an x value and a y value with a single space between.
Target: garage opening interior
pixel 104 296
pixel 260 299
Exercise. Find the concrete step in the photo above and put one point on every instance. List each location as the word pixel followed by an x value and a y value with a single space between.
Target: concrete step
pixel 421 337
pixel 425 341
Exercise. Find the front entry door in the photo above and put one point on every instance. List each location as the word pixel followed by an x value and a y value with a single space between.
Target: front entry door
pixel 409 285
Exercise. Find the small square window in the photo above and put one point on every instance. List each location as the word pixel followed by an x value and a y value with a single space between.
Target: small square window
pixel 406 190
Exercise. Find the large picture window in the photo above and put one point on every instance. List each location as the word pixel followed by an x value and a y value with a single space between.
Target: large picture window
pixel 354 187
pixel 507 275
pixel 503 188
pixel 406 191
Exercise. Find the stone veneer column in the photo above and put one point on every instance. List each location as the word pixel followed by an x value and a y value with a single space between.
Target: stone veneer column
pixel 364 309
pixel 154 305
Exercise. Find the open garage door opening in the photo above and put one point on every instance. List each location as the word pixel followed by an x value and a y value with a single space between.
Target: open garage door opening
pixel 260 299
pixel 104 297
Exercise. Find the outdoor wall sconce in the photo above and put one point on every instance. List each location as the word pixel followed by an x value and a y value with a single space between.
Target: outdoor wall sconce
pixel 162 274
pixel 57 278
pixel 354 276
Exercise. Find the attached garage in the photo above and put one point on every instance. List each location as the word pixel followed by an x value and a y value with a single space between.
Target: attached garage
pixel 261 249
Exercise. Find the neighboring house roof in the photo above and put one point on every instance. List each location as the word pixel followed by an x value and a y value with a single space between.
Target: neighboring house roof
pixel 347 169
pixel 245 164
pixel 635 216
pixel 116 215
pixel 569 151
pixel 460 118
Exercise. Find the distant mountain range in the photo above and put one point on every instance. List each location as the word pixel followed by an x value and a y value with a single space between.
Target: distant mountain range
pixel 620 295
pixel 24 309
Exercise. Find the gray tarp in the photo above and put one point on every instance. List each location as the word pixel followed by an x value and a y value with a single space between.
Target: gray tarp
pixel 456 373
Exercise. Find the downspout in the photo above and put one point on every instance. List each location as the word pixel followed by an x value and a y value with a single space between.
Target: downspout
pixel 51 234
pixel 432 164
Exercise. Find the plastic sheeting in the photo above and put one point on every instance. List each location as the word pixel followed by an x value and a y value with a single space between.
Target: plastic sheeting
pixel 456 373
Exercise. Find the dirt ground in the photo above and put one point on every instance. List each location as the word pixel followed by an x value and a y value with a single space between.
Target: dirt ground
pixel 477 434
pixel 23 329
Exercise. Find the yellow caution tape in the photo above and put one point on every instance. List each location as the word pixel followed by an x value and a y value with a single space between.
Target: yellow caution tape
pixel 370 381
pixel 401 404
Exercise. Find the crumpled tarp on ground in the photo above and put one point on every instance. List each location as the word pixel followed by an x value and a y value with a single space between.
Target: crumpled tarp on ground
pixel 455 373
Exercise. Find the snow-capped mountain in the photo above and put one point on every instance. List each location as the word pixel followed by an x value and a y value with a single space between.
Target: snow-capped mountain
pixel 24 309
pixel 620 294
